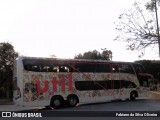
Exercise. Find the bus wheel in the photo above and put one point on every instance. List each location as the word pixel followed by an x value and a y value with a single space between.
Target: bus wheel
pixel 57 102
pixel 72 100
pixel 133 96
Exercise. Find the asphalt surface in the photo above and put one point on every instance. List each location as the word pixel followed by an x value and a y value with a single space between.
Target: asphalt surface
pixel 96 110
pixel 138 105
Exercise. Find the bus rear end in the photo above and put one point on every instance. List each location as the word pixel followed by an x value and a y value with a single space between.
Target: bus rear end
pixel 18 82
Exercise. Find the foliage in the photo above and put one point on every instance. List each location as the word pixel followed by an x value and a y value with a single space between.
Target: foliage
pixel 95 55
pixel 151 5
pixel 7 56
pixel 152 67
pixel 137 27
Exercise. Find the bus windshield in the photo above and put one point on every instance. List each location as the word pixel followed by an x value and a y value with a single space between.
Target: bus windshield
pixel 139 68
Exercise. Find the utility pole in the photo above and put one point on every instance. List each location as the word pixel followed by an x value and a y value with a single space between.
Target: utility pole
pixel 157 26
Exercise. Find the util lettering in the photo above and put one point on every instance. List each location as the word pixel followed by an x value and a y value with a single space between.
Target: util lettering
pixel 55 82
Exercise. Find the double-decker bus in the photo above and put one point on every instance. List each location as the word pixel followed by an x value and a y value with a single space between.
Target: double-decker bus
pixel 58 82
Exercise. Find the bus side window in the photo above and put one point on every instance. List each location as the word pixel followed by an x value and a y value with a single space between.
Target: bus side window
pixel 115 68
pixel 90 67
pixel 139 68
pixel 36 68
pixel 63 69
pixel 71 69
pixel 102 68
pixel 44 69
pixel 126 68
pixel 55 69
pixel 28 67
pixel 79 67
pixel 50 69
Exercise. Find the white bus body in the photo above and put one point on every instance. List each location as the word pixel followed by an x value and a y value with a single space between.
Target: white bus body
pixel 36 85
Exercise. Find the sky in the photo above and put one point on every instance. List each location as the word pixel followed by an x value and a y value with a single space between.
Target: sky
pixel 64 28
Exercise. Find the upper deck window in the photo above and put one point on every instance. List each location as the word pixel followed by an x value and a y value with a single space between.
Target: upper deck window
pixel 39 65
pixel 126 68
pixel 92 67
pixel 122 68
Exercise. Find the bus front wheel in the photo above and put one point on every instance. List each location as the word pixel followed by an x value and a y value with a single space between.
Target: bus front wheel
pixel 57 102
pixel 72 100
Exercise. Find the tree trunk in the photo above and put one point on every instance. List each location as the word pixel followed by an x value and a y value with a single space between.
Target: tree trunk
pixel 157 26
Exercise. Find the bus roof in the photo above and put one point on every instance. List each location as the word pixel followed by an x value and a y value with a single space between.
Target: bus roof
pixel 72 60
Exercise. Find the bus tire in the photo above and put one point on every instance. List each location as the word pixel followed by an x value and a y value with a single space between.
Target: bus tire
pixel 133 95
pixel 72 100
pixel 57 102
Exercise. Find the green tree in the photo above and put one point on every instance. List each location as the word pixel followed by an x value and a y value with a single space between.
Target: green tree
pixel 95 55
pixel 7 56
pixel 137 28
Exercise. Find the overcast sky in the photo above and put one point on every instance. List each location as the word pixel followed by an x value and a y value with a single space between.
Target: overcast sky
pixel 64 28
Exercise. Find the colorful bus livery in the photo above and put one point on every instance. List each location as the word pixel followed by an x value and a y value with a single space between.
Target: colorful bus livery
pixel 43 85
pixel 60 82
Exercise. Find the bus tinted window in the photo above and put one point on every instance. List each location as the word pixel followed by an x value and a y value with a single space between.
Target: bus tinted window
pixel 115 68
pixel 84 67
pixel 101 85
pixel 94 67
pixel 122 68
pixel 139 68
pixel 103 68
pixel 126 68
pixel 37 65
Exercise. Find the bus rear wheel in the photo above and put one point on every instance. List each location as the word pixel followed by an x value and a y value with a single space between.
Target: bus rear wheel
pixel 72 101
pixel 57 102
pixel 133 96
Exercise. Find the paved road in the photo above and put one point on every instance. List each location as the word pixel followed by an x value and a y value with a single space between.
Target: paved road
pixel 150 103
pixel 138 105
pixel 109 109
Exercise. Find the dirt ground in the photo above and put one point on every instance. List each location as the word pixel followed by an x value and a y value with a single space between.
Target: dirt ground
pixel 154 95
pixel 6 101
